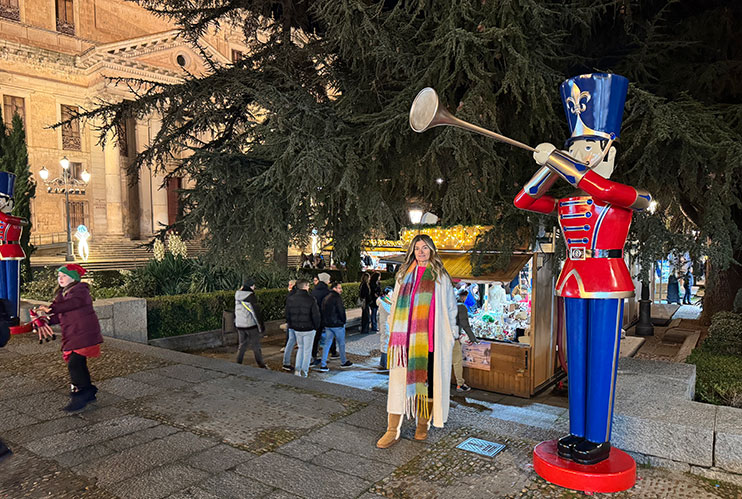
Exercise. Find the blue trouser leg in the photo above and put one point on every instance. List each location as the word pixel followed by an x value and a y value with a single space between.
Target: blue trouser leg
pixel 289 349
pixel 11 278
pixel 604 333
pixel 576 317
pixel 339 333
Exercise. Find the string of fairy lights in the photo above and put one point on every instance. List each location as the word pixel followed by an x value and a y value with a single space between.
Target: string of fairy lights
pixel 454 237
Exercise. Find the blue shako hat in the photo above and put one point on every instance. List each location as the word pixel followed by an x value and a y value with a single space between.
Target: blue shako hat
pixel 594 104
pixel 7 184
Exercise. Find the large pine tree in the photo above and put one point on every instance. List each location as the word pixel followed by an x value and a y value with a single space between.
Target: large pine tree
pixel 310 129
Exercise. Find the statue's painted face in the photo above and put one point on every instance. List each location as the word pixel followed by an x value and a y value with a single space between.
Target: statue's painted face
pixel 6 204
pixel 588 150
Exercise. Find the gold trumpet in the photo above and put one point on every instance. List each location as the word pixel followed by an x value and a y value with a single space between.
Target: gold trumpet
pixel 427 112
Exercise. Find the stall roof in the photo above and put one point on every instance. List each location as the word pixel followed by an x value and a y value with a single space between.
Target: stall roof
pixel 459 266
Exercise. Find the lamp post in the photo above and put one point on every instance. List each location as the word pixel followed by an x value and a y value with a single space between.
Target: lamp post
pixel 63 184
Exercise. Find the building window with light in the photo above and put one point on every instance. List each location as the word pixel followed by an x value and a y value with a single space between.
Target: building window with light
pixel 65 18
pixel 9 9
pixel 13 105
pixel 70 131
pixel 237 56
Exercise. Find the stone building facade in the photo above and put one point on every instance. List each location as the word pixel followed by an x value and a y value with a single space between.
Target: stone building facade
pixel 55 57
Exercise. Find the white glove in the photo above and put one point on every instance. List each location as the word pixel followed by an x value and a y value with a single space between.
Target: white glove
pixel 542 153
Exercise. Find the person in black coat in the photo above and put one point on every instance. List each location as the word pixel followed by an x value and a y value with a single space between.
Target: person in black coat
pixel 5 307
pixel 333 313
pixel 319 292
pixel 375 293
pixel 302 316
pixel 364 297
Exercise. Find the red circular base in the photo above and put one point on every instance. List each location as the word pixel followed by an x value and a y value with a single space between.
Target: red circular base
pixel 614 474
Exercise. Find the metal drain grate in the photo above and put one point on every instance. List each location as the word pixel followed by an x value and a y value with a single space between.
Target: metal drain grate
pixel 482 447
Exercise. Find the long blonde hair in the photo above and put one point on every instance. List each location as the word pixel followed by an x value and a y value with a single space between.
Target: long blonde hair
pixel 435 263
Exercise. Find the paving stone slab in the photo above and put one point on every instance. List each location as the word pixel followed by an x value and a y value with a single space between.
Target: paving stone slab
pixel 42 406
pixel 140 437
pixel 157 483
pixel 362 442
pixel 11 419
pixel 193 493
pixel 303 449
pixel 18 386
pixel 658 462
pixel 728 443
pixel 305 480
pixel 720 475
pixel 234 486
pixel 353 465
pixel 43 429
pixel 100 414
pixel 219 458
pixel 128 388
pixel 280 494
pixel 371 417
pixel 188 373
pixel 136 460
pixel 157 380
pixel 88 435
pixel 78 456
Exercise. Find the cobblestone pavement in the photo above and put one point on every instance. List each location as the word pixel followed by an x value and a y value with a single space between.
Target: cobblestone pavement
pixel 168 424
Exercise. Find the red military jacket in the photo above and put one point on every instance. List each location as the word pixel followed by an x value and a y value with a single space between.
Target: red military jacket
pixel 595 227
pixel 10 234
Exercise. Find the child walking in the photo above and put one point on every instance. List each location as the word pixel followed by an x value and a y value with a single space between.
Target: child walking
pixel 72 308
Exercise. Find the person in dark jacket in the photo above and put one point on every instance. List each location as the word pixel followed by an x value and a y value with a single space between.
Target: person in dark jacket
pixel 333 314
pixel 319 292
pixel 688 286
pixel 72 308
pixel 465 336
pixel 4 337
pixel 302 316
pixel 375 289
pixel 288 348
pixel 364 297
pixel 248 319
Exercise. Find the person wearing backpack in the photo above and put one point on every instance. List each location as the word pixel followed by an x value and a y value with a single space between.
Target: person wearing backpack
pixel 248 320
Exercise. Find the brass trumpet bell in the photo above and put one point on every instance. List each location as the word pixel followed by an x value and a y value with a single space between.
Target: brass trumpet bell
pixel 427 112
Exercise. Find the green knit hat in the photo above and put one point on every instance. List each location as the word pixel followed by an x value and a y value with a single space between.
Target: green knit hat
pixel 72 270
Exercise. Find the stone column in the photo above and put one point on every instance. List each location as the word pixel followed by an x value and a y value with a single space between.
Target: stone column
pixel 114 201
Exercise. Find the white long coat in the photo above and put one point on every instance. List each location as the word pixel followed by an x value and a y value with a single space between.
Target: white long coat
pixel 445 325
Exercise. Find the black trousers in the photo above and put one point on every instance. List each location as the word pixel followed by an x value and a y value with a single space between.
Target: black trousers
pixel 249 337
pixel 365 318
pixel 430 375
pixel 79 374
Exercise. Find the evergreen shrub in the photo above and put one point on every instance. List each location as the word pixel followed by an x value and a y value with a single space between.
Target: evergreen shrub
pixel 719 362
pixel 195 312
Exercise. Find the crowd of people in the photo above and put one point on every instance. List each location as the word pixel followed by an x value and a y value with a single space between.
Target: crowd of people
pixel 422 323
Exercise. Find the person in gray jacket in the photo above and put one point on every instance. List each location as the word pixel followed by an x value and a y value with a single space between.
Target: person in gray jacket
pixel 248 320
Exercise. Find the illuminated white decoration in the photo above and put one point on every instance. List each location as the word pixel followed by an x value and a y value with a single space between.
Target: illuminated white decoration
pixel 82 236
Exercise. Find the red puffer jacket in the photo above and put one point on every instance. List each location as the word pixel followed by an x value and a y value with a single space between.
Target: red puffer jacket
pixel 73 309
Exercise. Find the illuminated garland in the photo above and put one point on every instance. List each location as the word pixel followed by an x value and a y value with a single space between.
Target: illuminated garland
pixel 456 237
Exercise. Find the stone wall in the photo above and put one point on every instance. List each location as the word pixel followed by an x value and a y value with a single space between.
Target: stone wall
pixel 122 318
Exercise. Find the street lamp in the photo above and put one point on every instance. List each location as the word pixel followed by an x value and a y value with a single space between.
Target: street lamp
pixel 63 184
pixel 415 215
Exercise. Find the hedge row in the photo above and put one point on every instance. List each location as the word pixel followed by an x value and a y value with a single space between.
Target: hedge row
pixel 191 313
pixel 719 363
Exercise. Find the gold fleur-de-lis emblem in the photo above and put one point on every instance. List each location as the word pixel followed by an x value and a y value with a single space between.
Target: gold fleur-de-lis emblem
pixel 575 102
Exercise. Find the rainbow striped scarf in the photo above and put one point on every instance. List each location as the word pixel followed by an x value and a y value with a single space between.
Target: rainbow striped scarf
pixel 408 342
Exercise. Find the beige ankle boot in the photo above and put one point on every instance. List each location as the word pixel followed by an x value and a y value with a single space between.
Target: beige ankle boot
pixel 391 436
pixel 423 424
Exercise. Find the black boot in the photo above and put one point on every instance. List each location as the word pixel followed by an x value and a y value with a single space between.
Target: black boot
pixel 81 398
pixel 4 451
pixel 589 452
pixel 565 445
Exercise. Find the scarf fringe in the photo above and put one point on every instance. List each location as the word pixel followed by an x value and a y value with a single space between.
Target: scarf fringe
pixel 417 406
pixel 396 356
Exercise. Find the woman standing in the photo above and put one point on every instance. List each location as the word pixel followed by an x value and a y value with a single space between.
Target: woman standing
pixel 422 322
pixel 364 298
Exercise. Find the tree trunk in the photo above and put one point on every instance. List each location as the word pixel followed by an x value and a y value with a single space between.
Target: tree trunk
pixel 721 288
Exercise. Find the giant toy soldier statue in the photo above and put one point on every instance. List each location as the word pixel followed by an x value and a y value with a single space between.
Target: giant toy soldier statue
pixel 594 281
pixel 11 252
